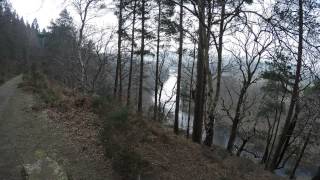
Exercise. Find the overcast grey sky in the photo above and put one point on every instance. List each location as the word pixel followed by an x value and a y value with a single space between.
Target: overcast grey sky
pixel 46 10
pixel 43 10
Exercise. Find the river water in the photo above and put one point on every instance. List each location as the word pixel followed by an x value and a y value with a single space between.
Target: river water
pixel 222 133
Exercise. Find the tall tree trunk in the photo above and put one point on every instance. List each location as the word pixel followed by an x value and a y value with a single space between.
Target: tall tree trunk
pixel 83 16
pixel 236 119
pixel 79 49
pixel 269 138
pixel 241 148
pixel 290 133
pixel 214 102
pixel 120 81
pixel 294 96
pixel 142 56
pixel 300 155
pixel 200 85
pixel 96 76
pixel 157 64
pixel 118 68
pixel 276 131
pixel 82 66
pixel 132 53
pixel 190 91
pixel 176 117
pixel 160 95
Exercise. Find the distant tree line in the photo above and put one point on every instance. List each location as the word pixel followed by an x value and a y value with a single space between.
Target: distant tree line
pixel 19 42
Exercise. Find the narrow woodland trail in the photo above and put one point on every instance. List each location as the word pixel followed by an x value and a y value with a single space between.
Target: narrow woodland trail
pixel 10 162
pixel 31 145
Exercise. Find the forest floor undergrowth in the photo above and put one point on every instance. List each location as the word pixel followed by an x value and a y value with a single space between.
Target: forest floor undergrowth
pixel 95 138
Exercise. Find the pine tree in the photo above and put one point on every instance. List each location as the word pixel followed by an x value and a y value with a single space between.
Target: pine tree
pixel 164 25
pixel 119 61
pixel 201 80
pixel 177 109
pixel 302 15
pixel 142 53
pixel 133 44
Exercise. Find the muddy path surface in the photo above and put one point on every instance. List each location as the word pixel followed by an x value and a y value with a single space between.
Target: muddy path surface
pixel 33 148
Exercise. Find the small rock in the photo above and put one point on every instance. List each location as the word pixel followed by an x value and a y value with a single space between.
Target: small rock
pixel 45 168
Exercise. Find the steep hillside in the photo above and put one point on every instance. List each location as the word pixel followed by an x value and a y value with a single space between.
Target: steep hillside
pixel 136 146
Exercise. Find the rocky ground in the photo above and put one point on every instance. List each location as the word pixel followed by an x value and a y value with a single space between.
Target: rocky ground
pixel 33 147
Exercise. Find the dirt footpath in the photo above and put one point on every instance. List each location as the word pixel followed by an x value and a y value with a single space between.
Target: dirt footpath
pixel 33 148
